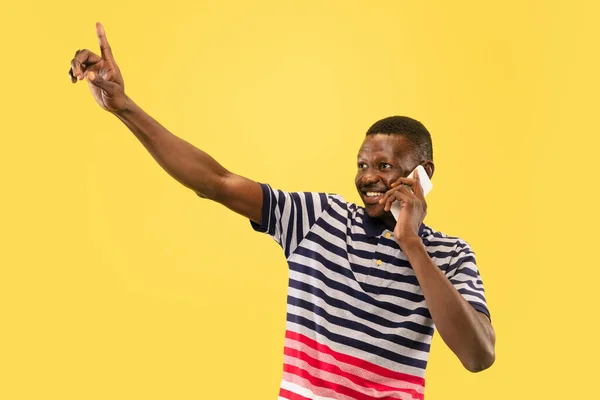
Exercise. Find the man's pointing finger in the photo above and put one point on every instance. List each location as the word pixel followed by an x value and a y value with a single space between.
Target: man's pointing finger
pixel 104 46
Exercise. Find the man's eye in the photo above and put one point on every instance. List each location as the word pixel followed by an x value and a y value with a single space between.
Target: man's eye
pixel 385 166
pixel 362 165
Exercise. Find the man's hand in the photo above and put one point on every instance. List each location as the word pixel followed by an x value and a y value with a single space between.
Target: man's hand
pixel 102 74
pixel 414 207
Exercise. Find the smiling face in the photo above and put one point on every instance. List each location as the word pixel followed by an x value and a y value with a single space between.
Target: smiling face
pixel 382 159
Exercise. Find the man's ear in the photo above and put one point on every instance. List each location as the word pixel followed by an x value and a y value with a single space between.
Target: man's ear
pixel 429 168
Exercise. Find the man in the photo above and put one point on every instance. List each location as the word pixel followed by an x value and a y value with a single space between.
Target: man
pixel 364 290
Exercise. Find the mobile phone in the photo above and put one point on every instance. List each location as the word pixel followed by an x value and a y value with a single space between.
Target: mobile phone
pixel 426 185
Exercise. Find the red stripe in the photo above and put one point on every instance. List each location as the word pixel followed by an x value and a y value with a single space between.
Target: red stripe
pixel 286 394
pixel 335 370
pixel 376 369
pixel 330 385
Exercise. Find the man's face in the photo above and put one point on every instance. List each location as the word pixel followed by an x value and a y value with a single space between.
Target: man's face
pixel 382 159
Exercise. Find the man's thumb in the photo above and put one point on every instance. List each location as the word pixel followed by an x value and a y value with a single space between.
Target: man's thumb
pixel 107 86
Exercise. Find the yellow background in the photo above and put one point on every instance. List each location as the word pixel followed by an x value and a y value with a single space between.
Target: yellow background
pixel 118 283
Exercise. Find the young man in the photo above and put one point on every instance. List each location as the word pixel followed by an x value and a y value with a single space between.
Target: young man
pixel 364 289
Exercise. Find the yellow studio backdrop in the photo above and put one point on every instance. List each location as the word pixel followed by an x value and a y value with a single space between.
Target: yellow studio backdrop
pixel 118 283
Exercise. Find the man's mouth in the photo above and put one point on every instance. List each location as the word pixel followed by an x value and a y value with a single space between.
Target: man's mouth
pixel 372 197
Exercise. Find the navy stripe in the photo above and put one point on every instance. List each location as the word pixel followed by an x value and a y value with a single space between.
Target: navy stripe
pixel 360 313
pixel 471 293
pixel 414 297
pixel 343 219
pixel 343 206
pixel 357 344
pixel 383 274
pixel 391 307
pixel 366 255
pixel 290 229
pixel 273 220
pixel 463 260
pixel 330 247
pixel 392 259
pixel 362 237
pixel 441 254
pixel 310 209
pixel 356 326
pixel 330 229
pixel 280 204
pixel 324 201
pixel 481 308
pixel 446 241
pixel 468 272
pixel 388 291
pixel 468 283
pixel 453 268
pixel 266 211
pixel 297 201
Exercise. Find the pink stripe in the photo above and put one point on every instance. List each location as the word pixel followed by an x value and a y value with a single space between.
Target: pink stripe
pixel 332 373
pixel 365 378
pixel 357 362
pixel 316 382
pixel 320 391
pixel 286 394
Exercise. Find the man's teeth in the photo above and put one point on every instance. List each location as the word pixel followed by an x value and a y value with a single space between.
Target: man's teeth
pixel 374 194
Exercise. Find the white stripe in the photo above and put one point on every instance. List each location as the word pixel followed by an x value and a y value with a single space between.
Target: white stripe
pixel 473 299
pixel 314 264
pixel 292 387
pixel 360 304
pixel 329 238
pixel 347 383
pixel 285 221
pixel 344 280
pixel 304 215
pixel 363 371
pixel 334 222
pixel 478 287
pixel 358 335
pixel 342 313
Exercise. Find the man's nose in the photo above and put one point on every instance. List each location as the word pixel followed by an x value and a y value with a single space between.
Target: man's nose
pixel 370 177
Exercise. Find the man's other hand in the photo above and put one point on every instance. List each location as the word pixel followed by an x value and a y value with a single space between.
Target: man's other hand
pixel 101 73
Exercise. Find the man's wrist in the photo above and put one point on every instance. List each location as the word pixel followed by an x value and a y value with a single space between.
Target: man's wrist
pixel 127 110
pixel 411 243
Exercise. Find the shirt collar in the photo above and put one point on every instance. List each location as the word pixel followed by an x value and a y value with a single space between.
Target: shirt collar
pixel 375 227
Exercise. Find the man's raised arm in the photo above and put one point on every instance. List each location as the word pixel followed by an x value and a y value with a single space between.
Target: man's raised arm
pixel 189 165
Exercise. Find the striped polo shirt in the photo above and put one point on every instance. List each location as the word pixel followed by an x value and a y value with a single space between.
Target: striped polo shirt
pixel 357 323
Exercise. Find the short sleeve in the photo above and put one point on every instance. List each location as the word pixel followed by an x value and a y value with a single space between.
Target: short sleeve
pixel 466 278
pixel 288 216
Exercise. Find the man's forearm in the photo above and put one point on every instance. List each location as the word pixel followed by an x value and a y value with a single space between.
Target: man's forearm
pixel 458 323
pixel 189 165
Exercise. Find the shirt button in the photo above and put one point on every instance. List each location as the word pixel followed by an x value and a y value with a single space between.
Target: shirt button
pixel 388 235
pixel 379 262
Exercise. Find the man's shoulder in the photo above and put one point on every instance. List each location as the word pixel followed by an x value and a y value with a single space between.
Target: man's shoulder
pixel 337 199
pixel 327 200
pixel 434 238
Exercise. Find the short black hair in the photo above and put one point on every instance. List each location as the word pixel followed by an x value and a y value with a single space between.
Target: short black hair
pixel 411 129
